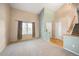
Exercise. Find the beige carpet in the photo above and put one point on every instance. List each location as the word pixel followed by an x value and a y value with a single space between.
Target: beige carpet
pixel 37 47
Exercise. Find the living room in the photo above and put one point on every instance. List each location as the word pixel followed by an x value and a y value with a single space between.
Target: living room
pixel 31 28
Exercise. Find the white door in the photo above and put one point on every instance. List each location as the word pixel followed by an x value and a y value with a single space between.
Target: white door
pixel 58 30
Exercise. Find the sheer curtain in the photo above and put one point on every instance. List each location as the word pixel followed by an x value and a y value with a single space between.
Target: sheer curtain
pixel 27 28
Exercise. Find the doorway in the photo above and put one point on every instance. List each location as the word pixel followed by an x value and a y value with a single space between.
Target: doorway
pixel 58 30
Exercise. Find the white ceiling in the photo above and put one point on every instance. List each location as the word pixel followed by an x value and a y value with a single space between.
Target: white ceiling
pixel 36 7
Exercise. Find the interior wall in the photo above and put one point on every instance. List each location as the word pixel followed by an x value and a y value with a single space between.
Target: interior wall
pixel 49 17
pixel 46 16
pixel 8 20
pixel 65 15
pixel 4 22
pixel 18 15
pixel 41 15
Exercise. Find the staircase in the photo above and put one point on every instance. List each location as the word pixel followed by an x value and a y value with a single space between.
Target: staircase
pixel 57 42
pixel 69 31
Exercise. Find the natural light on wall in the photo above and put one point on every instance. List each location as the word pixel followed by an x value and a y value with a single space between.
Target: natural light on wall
pixel 58 30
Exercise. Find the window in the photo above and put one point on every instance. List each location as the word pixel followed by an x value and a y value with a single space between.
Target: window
pixel 26 28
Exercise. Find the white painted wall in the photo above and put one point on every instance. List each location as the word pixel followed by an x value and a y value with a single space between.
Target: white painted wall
pixel 58 27
pixel 4 13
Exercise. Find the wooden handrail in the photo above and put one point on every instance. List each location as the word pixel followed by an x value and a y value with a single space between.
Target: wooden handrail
pixel 72 24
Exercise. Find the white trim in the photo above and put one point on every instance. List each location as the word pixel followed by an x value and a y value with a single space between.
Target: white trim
pixel 71 51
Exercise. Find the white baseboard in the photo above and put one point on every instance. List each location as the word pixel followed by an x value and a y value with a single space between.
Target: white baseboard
pixel 72 51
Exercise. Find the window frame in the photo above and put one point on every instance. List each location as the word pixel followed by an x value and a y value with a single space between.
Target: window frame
pixel 27 28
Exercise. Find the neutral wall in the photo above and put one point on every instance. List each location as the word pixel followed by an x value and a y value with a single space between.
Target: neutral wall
pixel 46 16
pixel 49 17
pixel 8 20
pixel 4 19
pixel 18 15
